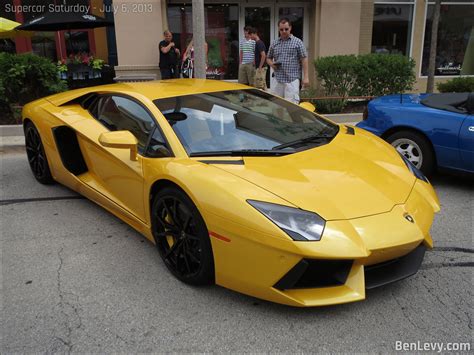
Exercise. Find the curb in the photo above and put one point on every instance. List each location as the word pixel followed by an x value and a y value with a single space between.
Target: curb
pixel 11 130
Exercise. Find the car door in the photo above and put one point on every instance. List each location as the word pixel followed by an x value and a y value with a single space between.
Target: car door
pixel 111 169
pixel 466 143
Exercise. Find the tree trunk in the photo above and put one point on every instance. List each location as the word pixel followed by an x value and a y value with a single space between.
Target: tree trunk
pixel 199 39
pixel 433 45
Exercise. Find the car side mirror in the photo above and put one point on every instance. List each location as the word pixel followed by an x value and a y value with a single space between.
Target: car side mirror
pixel 308 106
pixel 120 140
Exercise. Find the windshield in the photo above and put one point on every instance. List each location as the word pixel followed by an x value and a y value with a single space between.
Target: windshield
pixel 243 121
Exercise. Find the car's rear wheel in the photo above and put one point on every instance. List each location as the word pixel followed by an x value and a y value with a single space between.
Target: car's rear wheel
pixel 416 148
pixel 36 155
pixel 182 237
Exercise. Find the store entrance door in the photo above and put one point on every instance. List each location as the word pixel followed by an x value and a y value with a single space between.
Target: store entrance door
pixel 265 16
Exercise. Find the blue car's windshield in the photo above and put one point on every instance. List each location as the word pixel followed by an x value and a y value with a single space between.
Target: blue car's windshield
pixel 243 120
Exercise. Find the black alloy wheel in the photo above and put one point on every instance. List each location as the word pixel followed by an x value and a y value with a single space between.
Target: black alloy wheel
pixel 36 155
pixel 182 238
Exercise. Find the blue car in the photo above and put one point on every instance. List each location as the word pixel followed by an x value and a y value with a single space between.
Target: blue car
pixel 430 130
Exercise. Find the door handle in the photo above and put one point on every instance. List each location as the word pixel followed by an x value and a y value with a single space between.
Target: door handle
pixel 471 128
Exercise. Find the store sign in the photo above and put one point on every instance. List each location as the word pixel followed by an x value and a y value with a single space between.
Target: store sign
pixel 391 13
pixel 449 69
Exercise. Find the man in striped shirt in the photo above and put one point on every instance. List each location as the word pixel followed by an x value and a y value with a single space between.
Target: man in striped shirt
pixel 247 59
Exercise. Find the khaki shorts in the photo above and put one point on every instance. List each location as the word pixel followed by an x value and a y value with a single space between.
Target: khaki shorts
pixel 261 78
pixel 289 91
pixel 246 73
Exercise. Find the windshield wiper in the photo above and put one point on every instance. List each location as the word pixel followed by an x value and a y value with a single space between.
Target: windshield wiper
pixel 241 153
pixel 303 140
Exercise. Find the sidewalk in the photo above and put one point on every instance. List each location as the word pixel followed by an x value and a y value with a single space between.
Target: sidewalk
pixel 345 118
pixel 12 135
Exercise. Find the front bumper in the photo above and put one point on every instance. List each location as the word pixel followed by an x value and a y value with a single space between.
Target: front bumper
pixel 353 255
pixel 316 273
pixel 368 127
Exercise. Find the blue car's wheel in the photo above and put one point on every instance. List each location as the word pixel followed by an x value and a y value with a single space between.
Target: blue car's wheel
pixel 416 148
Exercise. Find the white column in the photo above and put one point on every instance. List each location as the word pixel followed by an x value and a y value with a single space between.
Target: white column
pixel 199 39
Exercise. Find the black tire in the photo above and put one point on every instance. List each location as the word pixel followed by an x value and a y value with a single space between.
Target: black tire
pixel 182 237
pixel 416 148
pixel 36 156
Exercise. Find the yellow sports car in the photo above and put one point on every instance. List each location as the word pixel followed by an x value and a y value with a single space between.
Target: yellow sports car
pixel 239 187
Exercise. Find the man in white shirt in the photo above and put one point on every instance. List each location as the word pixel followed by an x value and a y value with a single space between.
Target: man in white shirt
pixel 247 59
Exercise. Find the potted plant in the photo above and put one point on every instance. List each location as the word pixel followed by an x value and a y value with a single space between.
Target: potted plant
pixel 80 66
pixel 62 69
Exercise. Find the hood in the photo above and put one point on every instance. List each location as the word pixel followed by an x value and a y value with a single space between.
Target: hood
pixel 352 176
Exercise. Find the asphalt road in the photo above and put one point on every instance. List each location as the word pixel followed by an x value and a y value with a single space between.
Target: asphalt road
pixel 76 279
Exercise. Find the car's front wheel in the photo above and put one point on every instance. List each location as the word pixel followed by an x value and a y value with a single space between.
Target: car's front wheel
pixel 416 148
pixel 182 237
pixel 36 155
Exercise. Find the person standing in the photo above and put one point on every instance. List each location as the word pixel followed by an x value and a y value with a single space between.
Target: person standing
pixel 187 67
pixel 288 58
pixel 247 59
pixel 260 76
pixel 169 57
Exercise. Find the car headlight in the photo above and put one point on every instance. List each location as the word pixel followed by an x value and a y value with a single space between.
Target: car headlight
pixel 300 225
pixel 414 170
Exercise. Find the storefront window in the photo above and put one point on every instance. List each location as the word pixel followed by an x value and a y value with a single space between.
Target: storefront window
pixel 392 26
pixel 222 35
pixel 455 47
pixel 77 42
pixel 296 16
pixel 44 45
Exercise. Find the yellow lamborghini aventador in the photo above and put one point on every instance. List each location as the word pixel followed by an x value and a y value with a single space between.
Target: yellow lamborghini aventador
pixel 239 187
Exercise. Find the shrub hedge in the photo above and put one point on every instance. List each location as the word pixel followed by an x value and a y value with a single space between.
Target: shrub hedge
pixel 24 78
pixel 365 75
pixel 461 84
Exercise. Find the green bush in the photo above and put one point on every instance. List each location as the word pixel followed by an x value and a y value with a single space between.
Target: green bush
pixel 337 74
pixel 322 106
pixel 330 106
pixel 461 84
pixel 27 77
pixel 5 110
pixel 383 74
pixel 365 75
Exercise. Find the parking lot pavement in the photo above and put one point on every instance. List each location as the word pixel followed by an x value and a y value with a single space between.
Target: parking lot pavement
pixel 76 279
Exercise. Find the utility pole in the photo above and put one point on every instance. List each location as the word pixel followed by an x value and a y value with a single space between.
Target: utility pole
pixel 433 45
pixel 199 39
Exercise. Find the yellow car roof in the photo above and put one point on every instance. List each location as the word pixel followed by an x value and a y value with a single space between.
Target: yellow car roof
pixel 153 90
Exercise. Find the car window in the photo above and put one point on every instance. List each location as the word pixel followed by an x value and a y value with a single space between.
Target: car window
pixel 240 120
pixel 157 147
pixel 119 113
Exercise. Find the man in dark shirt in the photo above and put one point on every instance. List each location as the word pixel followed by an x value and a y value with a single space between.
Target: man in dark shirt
pixel 260 77
pixel 169 57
